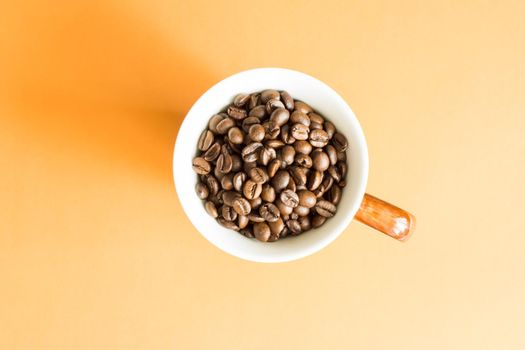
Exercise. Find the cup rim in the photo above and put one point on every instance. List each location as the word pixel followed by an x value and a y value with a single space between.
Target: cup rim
pixel 359 189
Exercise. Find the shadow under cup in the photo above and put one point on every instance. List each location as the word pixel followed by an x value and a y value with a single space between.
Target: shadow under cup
pixel 301 87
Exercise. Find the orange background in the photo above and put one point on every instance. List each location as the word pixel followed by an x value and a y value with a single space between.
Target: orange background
pixel 95 252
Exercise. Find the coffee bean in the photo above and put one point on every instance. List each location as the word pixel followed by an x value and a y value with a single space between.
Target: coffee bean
pixel 303 160
pixel 227 182
pixel 273 166
pixel 325 208
pixel 288 154
pixel 273 104
pixel 214 121
pixel 229 197
pixel 275 144
pixel 248 122
pixel 334 195
pixel 258 112
pixel 241 99
pixel 227 224
pixel 262 232
pixel 300 131
pixel 291 185
pixel 318 138
pixel 293 216
pixel 228 213
pixel 249 165
pixel 256 132
pixel 280 116
pixel 242 206
pixel 307 198
pixel 250 152
pixel 213 152
pixel 217 199
pixel 212 183
pixel 201 166
pixel 294 227
pixel 303 147
pixel 321 161
pixel 301 211
pixel 225 125
pixel 329 128
pixel 332 154
pixel 251 189
pixel 224 163
pixel 211 209
pixel 237 113
pixel 205 140
pixel 314 180
pixel 268 193
pixel 277 226
pixel 280 180
pixel 247 233
pixel 271 130
pixel 258 175
pixel 300 118
pixel 201 190
pixel 283 209
pixel 299 175
pixel 242 221
pixel 269 94
pixel 255 217
pixel 287 100
pixel 318 220
pixel 302 107
pixel 235 135
pixel 289 198
pixel 342 183
pixel 238 181
pixel 269 212
pixel 315 126
pixel 316 118
pixel 255 203
pixel 266 154
pixel 305 223
pixel 342 168
pixel 340 142
pixel 334 173
pixel 254 100
pixel 236 163
pixel 286 136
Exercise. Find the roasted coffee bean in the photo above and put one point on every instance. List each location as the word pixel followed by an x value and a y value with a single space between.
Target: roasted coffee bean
pixel 205 140
pixel 251 189
pixel 303 147
pixel 241 99
pixel 334 195
pixel 340 142
pixel 332 154
pixel 258 175
pixel 211 209
pixel 342 183
pixel 238 181
pixel 305 223
pixel 273 238
pixel 316 118
pixel 269 94
pixel 273 166
pixel 227 182
pixel 321 161
pixel 237 113
pixel 258 112
pixel 224 163
pixel 235 135
pixel 255 203
pixel 284 233
pixel 255 217
pixel 302 107
pixel 300 118
pixel 225 125
pixel 314 180
pixel 236 163
pixel 280 116
pixel 250 152
pixel 217 173
pixel 213 152
pixel 341 156
pixel 268 193
pixel 214 121
pixel 254 100
pixel 249 165
pixel 287 100
pixel 286 136
pixel 269 212
pixel 229 197
pixel 303 160
pixel 212 183
pixel 227 224
pixel 318 220
pixel 325 208
pixel 266 154
pixel 201 166
pixel 288 154
pixel 275 144
pixel 294 227
pixel 242 221
pixel 300 131
pixel 299 175
pixel 318 138
pixel 248 122
pixel 262 232
pixel 283 209
pixel 277 226
pixel 271 130
pixel 272 105
pixel 202 190
pixel 256 132
pixel 294 216
pixel 329 128
pixel 228 213
pixel 242 206
pixel 301 211
pixel 315 126
pixel 291 185
pixel 280 180
pixel 342 168
pixel 307 198
pixel 289 198
pixel 247 233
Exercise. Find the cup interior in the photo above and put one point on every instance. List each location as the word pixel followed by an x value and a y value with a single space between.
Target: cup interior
pixel 301 87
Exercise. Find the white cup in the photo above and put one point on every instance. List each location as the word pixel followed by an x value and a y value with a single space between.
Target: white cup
pixel 324 100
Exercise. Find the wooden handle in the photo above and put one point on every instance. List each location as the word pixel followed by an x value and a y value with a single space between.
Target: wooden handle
pixel 387 218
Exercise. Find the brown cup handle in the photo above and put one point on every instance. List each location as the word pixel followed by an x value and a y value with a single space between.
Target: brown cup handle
pixel 387 218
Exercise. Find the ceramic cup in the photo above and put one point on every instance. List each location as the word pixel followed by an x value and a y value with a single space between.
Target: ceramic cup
pixel 385 217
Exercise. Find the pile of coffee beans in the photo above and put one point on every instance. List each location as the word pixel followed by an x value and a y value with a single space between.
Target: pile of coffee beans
pixel 270 166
